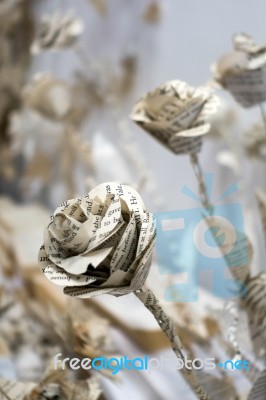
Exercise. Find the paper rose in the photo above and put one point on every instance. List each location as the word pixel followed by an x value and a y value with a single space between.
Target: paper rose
pixel 243 71
pixel 177 115
pixel 57 31
pixel 99 244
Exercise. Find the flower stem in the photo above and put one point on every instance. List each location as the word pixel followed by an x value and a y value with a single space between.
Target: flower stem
pixel 150 301
pixel 202 187
pixel 263 117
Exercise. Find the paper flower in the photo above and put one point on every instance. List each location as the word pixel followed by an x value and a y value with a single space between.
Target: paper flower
pixel 50 96
pixel 57 31
pixel 177 115
pixel 99 244
pixel 243 71
pixel 102 244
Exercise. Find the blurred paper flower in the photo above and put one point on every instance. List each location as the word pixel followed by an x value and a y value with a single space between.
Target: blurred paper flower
pixel 99 244
pixel 177 115
pixel 49 96
pixel 57 31
pixel 243 71
pixel 255 142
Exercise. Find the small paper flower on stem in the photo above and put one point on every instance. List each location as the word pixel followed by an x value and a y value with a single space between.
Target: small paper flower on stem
pixel 178 116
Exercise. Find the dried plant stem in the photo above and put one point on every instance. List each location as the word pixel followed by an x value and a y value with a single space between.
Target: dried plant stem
pixel 263 116
pixel 200 178
pixel 4 394
pixel 150 301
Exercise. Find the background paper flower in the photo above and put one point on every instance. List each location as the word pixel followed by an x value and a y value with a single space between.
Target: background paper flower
pixel 57 31
pixel 254 142
pixel 49 96
pixel 243 71
pixel 177 115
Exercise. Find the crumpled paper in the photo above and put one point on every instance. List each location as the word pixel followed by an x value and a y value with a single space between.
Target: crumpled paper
pixel 99 244
pixel 177 115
